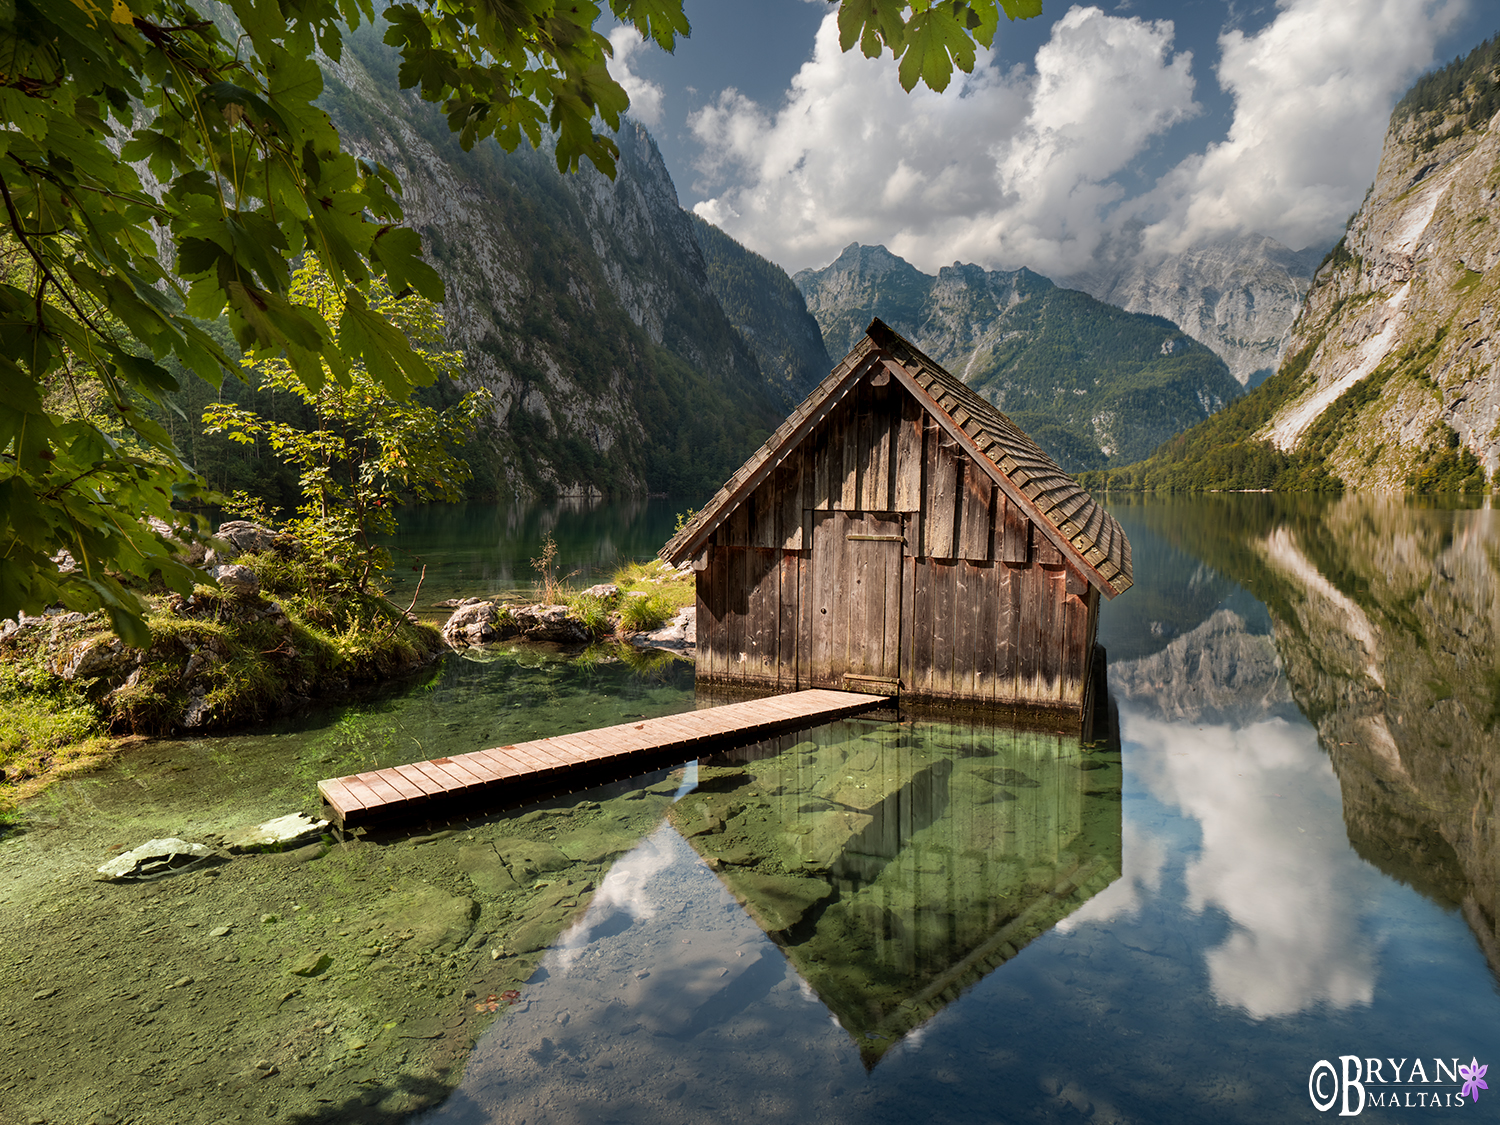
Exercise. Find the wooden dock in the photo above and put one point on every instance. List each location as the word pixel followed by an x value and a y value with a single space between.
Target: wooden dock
pixel 494 777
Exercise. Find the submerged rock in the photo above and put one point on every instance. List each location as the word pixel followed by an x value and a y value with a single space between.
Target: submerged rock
pixel 154 859
pixel 294 828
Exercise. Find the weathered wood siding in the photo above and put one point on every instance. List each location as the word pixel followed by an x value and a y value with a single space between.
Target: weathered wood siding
pixel 879 549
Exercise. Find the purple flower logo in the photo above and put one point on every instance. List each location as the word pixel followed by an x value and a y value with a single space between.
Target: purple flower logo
pixel 1473 1076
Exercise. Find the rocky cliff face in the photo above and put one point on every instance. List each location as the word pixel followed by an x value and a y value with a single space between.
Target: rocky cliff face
pixel 583 304
pixel 1238 295
pixel 1396 348
pixel 1093 384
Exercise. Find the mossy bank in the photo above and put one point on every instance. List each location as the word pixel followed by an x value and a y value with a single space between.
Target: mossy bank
pixel 280 631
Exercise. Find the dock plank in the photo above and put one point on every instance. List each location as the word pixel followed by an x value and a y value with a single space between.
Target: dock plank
pixel 385 793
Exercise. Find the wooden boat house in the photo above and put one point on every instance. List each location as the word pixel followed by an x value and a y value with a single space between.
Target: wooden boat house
pixel 898 534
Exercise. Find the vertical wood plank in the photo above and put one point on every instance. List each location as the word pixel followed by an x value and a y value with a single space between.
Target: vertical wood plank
pixel 761 616
pixel 1046 553
pixel 821 472
pixel 848 491
pixel 1054 636
pixel 909 567
pixel 976 522
pixel 789 508
pixel 1008 631
pixel 891 555
pixel 739 522
pixel 703 653
pixel 1030 632
pixel 767 510
pixel 1075 649
pixel 909 464
pixel 942 627
pixel 987 594
pixel 822 566
pixel 964 630
pixel 845 581
pixel 805 612
pixel 921 626
pixel 788 620
pixel 1017 536
pixel 942 499
pixel 878 475
pixel 734 619
pixel 864 493
pixel 718 567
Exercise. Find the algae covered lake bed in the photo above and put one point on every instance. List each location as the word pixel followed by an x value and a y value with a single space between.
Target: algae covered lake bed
pixel 1286 855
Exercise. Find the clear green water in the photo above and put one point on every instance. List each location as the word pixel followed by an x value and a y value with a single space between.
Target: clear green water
pixel 1289 855
pixel 478 550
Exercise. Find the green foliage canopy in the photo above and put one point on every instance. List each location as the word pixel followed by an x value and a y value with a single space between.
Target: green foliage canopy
pixel 368 450
pixel 113 271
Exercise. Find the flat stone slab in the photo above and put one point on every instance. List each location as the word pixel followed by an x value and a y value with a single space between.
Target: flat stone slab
pixel 282 832
pixel 155 858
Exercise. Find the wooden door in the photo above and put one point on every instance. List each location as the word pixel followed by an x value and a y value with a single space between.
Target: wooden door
pixel 856 600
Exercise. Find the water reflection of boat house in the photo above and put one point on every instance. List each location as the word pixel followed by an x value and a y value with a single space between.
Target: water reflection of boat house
pixel 898 533
pixel 895 869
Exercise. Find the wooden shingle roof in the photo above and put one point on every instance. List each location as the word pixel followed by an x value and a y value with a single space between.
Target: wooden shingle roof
pixel 1068 515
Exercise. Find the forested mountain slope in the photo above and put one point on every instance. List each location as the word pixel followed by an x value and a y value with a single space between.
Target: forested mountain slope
pixel 764 303
pixel 1093 384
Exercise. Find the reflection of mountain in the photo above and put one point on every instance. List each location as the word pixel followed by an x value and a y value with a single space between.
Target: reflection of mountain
pixel 1392 651
pixel 1387 619
pixel 897 866
pixel 1218 673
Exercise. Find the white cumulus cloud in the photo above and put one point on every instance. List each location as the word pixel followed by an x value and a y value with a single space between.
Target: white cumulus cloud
pixel 1023 167
pixel 1003 168
pixel 645 96
pixel 1312 93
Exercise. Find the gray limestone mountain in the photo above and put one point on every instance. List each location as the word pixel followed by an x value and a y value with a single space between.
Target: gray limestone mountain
pixel 1237 294
pixel 1400 335
pixel 1093 384
pixel 1391 376
pixel 583 304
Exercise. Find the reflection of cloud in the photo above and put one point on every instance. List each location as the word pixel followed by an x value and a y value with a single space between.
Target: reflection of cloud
pixel 1144 857
pixel 1273 858
pixel 623 891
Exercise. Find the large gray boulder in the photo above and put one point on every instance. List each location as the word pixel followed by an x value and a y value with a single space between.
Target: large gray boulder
pixel 550 623
pixel 474 623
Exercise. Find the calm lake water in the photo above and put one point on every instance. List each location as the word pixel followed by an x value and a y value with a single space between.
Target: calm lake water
pixel 1288 855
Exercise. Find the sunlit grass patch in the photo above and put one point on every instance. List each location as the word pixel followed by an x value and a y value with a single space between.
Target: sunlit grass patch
pixel 676 588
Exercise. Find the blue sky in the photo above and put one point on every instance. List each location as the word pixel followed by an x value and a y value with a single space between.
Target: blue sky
pixel 1198 118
